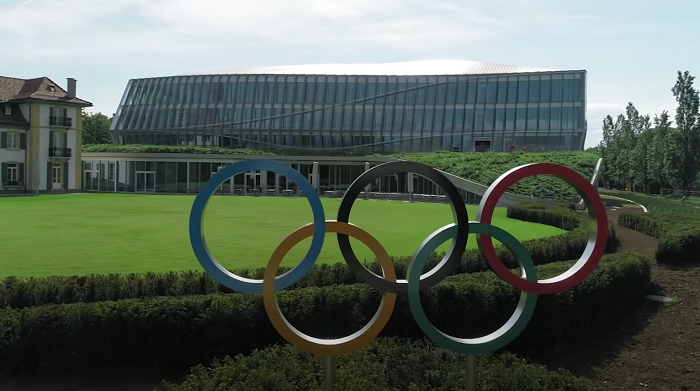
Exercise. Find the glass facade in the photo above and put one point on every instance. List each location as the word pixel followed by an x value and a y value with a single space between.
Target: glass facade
pixel 187 177
pixel 309 114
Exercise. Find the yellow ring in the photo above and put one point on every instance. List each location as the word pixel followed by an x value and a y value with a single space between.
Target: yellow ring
pixel 338 346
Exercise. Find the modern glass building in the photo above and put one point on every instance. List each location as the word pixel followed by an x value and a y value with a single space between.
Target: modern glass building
pixel 417 106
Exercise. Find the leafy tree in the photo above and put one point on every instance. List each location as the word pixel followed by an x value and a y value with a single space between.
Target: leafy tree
pixel 688 122
pixel 96 128
pixel 653 154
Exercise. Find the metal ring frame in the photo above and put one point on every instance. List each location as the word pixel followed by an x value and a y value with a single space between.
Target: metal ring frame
pixel 458 233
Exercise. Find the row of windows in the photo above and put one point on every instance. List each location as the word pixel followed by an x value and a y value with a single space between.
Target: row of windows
pixel 316 89
pixel 339 118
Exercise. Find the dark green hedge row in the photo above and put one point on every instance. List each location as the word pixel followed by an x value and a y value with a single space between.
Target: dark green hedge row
pixel 387 364
pixel 564 216
pixel 678 234
pixel 179 332
pixel 27 292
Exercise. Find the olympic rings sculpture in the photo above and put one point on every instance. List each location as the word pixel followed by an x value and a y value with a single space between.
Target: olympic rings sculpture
pixel 458 233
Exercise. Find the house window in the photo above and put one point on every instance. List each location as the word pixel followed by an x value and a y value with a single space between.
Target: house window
pixel 8 110
pixel 12 141
pixel 57 140
pixel 111 171
pixel 12 172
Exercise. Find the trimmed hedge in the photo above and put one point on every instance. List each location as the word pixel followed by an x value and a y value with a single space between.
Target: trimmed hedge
pixel 24 292
pixel 678 234
pixel 387 364
pixel 178 332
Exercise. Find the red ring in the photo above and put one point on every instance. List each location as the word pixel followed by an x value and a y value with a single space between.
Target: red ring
pixel 596 242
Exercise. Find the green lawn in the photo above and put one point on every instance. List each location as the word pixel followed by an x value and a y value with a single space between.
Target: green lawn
pixel 124 233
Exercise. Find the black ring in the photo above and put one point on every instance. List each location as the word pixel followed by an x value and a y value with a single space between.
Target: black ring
pixel 448 263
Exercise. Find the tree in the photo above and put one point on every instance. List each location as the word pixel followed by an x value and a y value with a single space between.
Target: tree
pixel 658 149
pixel 688 123
pixel 96 128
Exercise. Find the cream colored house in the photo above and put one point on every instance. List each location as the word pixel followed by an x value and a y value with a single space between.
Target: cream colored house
pixel 40 136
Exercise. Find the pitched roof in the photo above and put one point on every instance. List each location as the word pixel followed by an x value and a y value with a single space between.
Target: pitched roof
pixel 40 88
pixel 16 118
pixel 406 68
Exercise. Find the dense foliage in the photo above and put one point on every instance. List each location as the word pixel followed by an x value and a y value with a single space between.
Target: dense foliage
pixel 651 155
pixel 26 292
pixel 387 364
pixel 679 235
pixel 178 332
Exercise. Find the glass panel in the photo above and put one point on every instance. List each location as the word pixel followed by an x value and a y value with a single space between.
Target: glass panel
pixel 469 119
pixel 534 91
pixel 462 92
pixel 522 91
pixel 556 90
pixel 544 118
pixel 555 118
pixel 520 119
pixel 502 91
pixel 479 120
pixel 532 119
pixel 500 118
pixel 569 90
pixel 488 119
pixel 491 89
pixel 545 91
pixel 512 91
pixel 471 92
pixel 481 93
pixel 510 118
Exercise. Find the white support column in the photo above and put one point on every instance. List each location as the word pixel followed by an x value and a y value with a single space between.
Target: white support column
pixel 314 176
pixel 263 182
pixel 277 183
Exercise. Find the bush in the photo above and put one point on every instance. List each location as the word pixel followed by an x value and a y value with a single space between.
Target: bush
pixel 27 292
pixel 178 332
pixel 385 365
pixel 679 235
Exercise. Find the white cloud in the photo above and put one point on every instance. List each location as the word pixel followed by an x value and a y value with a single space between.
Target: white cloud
pixel 176 27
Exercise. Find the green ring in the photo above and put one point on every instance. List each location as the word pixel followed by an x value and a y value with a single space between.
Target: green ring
pixel 499 338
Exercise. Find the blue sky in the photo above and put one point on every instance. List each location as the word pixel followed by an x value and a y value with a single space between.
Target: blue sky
pixel 631 49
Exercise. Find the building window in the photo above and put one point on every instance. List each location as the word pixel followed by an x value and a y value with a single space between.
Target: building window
pixel 12 141
pixel 11 172
pixel 57 140
pixel 111 171
pixel 8 110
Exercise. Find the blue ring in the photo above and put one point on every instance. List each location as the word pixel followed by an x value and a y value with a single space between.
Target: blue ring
pixel 223 276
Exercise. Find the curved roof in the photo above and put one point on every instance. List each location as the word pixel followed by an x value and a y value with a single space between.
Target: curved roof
pixel 407 68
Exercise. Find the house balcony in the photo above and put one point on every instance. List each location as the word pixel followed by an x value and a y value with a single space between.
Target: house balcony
pixel 60 152
pixel 61 121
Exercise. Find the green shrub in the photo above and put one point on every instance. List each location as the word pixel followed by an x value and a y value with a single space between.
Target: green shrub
pixel 387 364
pixel 32 291
pixel 678 234
pixel 178 332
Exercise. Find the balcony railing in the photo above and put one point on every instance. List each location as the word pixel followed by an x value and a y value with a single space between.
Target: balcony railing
pixel 60 152
pixel 60 121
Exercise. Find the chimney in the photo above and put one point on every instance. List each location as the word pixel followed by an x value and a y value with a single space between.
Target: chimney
pixel 71 87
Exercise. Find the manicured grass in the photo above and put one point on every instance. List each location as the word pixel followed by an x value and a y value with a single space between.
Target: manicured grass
pixel 657 203
pixel 124 233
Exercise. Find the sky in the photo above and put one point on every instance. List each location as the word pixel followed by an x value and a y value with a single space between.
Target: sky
pixel 631 50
